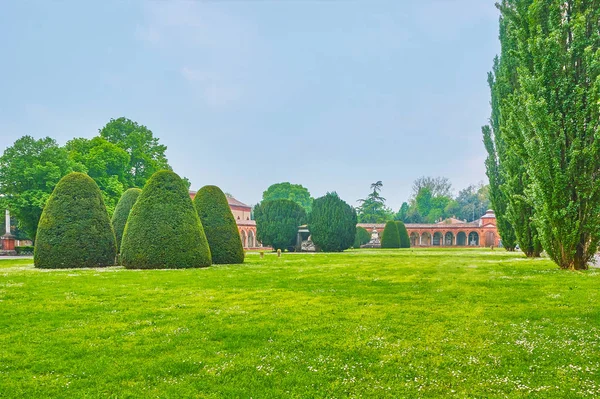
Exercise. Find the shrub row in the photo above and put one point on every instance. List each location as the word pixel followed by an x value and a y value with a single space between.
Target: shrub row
pixel 157 227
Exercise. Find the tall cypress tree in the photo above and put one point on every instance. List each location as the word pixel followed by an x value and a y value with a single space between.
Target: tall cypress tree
pixel 505 164
pixel 551 120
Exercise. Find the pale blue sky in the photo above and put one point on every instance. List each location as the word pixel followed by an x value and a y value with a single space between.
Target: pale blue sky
pixel 331 94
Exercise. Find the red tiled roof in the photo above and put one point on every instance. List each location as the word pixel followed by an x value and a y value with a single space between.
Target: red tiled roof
pixel 233 202
pixel 230 200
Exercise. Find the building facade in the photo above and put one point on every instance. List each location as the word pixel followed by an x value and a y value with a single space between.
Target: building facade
pixel 450 232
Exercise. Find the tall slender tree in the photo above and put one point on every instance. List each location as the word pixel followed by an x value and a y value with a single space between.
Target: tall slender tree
pixel 506 154
pixel 547 86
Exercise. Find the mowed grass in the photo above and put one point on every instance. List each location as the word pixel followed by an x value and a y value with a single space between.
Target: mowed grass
pixel 368 323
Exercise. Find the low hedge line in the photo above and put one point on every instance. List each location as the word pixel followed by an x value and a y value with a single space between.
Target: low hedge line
pixel 24 250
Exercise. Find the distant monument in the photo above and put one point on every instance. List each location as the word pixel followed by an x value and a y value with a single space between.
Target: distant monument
pixel 375 241
pixel 8 240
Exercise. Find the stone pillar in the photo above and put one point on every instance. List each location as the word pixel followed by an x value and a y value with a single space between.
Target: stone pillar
pixel 420 240
pixel 8 240
pixel 7 222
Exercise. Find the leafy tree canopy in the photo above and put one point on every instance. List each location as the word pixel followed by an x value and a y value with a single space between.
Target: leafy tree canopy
pixel 29 171
pixel 146 155
pixel 293 192
pixel 372 209
pixel 437 186
pixel 106 163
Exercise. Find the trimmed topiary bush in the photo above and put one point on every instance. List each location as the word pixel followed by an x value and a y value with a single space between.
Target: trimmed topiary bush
pixel 163 230
pixel 219 226
pixel 404 238
pixel 362 237
pixel 74 229
pixel 277 222
pixel 122 211
pixel 391 237
pixel 332 223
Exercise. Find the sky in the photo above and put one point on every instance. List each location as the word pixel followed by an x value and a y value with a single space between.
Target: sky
pixel 330 94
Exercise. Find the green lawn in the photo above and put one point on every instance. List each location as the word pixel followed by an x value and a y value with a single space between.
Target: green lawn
pixel 369 323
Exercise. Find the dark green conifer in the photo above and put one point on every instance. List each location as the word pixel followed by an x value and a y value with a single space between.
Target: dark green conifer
pixel 163 230
pixel 219 226
pixel 74 230
pixel 404 238
pixel 122 211
pixel 391 236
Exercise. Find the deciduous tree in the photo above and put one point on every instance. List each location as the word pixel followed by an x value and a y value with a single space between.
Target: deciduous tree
pixel 293 192
pixel 29 171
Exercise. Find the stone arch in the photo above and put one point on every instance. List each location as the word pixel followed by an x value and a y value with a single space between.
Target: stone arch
pixel 243 236
pixel 449 239
pixel 251 243
pixel 426 238
pixel 461 238
pixel 438 239
pixel 414 239
pixel 474 238
pixel 490 239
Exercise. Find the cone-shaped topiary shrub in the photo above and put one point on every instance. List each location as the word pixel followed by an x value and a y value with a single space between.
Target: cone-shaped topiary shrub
pixel 404 238
pixel 362 237
pixel 74 229
pixel 163 230
pixel 391 237
pixel 219 226
pixel 122 211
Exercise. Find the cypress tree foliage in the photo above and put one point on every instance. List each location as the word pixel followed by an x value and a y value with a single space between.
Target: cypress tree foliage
pixel 277 222
pixel 505 164
pixel 404 238
pixel 163 230
pixel 332 223
pixel 121 214
pixel 552 117
pixel 362 237
pixel 391 236
pixel 219 226
pixel 74 229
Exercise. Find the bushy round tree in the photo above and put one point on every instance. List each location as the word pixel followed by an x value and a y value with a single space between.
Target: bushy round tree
pixel 163 230
pixel 332 223
pixel 362 237
pixel 277 222
pixel 74 229
pixel 391 236
pixel 219 226
pixel 122 211
pixel 404 238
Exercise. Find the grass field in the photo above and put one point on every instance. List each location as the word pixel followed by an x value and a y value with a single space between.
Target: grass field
pixel 369 323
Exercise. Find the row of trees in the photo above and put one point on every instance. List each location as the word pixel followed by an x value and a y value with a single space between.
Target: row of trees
pixel 543 139
pixel 431 201
pixel 157 227
pixel 331 221
pixel 123 155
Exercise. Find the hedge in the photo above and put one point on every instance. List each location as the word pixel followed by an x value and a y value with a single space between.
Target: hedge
pixel 74 230
pixel 24 250
pixel 219 226
pixel 362 237
pixel 391 236
pixel 163 230
pixel 122 211
pixel 404 238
